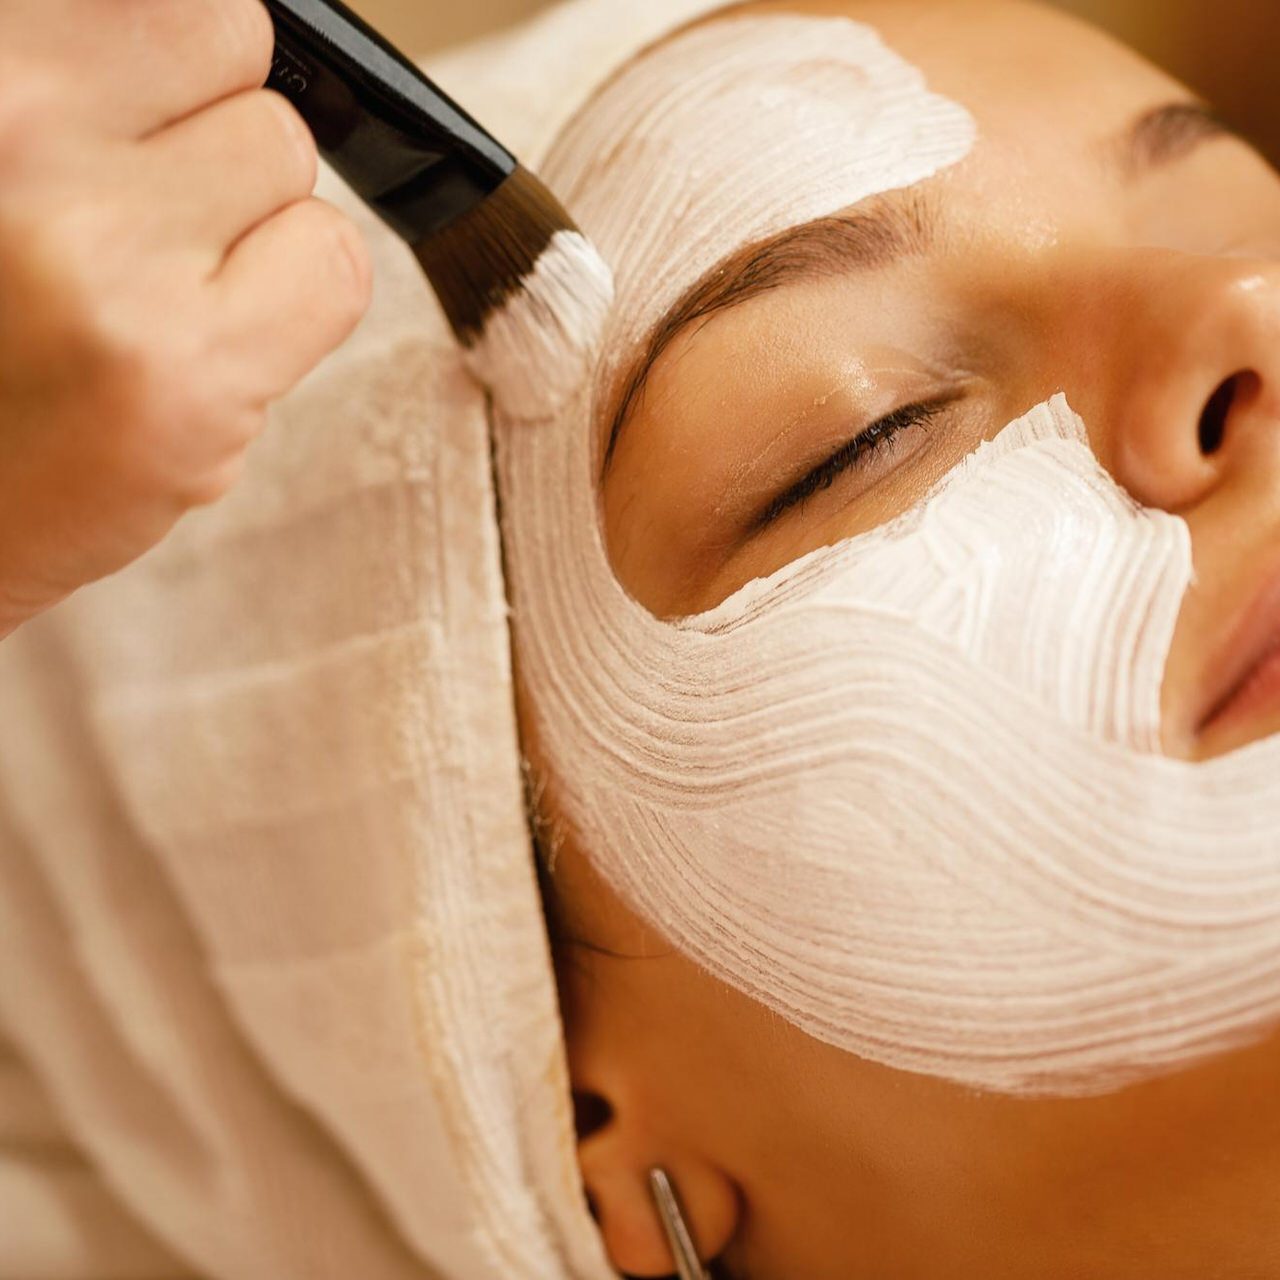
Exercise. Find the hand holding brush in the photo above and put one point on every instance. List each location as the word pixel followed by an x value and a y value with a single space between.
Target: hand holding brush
pixel 164 274
pixel 522 289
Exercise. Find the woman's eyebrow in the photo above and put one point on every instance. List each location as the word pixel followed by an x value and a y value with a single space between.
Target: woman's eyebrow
pixel 884 230
pixel 1164 135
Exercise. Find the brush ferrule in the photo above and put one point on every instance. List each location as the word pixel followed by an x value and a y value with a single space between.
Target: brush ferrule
pixel 402 145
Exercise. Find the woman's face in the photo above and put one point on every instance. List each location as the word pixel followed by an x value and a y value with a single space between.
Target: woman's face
pixel 1105 239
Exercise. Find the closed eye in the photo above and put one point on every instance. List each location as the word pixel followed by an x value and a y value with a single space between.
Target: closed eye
pixel 851 455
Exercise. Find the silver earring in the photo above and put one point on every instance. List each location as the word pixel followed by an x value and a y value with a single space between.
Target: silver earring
pixel 678 1237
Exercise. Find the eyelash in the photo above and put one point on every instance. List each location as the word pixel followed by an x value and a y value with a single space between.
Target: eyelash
pixel 851 455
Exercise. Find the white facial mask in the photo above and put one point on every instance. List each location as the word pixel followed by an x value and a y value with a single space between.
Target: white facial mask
pixel 903 792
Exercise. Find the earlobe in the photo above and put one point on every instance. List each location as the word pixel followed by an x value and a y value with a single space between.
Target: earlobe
pixel 615 1162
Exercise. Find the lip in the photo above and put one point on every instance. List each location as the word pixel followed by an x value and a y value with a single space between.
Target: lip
pixel 1233 690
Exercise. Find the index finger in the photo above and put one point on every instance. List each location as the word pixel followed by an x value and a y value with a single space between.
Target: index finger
pixel 137 65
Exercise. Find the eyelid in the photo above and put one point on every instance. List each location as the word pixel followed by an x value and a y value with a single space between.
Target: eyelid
pixel 849 456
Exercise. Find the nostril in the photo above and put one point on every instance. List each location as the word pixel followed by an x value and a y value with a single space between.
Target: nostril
pixel 1227 399
pixel 1213 421
pixel 590 1112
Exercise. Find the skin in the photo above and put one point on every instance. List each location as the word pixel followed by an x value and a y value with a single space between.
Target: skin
pixel 1139 298
pixel 165 273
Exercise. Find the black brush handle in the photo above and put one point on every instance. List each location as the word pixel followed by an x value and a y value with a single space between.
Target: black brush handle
pixel 404 147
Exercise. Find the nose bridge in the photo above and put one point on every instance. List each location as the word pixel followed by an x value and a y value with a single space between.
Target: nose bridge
pixel 1252 307
pixel 1227 310
pixel 1200 311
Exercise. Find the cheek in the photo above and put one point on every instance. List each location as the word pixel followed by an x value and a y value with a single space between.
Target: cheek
pixel 1032 563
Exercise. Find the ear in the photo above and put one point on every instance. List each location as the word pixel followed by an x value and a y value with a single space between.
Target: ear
pixel 616 1150
pixel 624 1120
pixel 632 1088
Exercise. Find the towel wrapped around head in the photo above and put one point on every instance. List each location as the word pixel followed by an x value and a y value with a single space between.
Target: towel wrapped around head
pixel 273 968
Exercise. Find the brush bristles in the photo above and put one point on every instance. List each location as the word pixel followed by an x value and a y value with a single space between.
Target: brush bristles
pixel 482 259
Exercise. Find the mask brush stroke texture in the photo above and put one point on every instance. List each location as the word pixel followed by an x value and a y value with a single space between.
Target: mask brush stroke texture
pixel 903 792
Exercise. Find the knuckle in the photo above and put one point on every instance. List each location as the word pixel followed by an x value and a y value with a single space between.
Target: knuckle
pixel 215 483
pixel 351 260
pixel 290 136
pixel 75 257
pixel 175 449
pixel 246 37
pixel 234 38
pixel 48 256
pixel 151 385
pixel 77 228
pixel 27 96
pixel 144 392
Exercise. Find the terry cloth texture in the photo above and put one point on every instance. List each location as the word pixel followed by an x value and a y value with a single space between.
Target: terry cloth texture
pixel 275 994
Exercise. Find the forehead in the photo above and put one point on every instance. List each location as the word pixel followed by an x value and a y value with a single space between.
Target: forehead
pixel 980 49
pixel 736 130
pixel 1028 74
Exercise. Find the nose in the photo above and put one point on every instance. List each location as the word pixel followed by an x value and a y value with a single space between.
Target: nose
pixel 1189 352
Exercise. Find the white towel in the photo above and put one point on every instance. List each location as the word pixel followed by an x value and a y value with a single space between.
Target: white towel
pixel 273 970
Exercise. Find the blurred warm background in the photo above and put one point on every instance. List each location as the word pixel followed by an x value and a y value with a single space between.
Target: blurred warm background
pixel 1225 48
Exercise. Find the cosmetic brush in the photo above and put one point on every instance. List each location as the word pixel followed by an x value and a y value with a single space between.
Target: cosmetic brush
pixel 519 284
